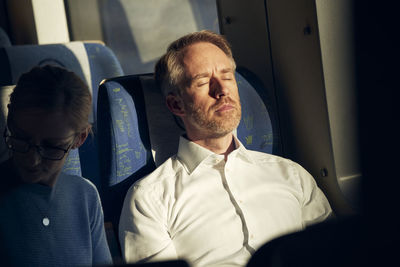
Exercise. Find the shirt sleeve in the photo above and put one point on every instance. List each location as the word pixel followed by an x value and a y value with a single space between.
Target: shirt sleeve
pixel 143 230
pixel 101 252
pixel 315 206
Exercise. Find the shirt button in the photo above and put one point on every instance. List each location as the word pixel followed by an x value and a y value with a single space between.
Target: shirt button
pixel 252 236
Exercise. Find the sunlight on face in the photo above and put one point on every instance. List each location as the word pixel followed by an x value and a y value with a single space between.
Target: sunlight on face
pixel 211 102
pixel 216 125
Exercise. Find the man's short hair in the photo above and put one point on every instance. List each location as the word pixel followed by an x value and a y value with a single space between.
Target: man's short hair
pixel 169 70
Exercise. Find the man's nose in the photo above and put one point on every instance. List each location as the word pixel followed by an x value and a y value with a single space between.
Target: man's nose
pixel 219 87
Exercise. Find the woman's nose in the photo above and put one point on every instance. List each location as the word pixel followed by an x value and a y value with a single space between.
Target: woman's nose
pixel 32 157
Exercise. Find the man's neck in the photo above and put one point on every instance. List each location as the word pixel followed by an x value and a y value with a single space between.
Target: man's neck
pixel 219 145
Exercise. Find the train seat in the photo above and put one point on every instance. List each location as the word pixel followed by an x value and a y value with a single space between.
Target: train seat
pixel 124 137
pixel 138 133
pixel 93 62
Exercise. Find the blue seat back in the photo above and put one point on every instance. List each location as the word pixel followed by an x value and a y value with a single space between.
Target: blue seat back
pixel 125 145
pixel 93 62
pixel 257 129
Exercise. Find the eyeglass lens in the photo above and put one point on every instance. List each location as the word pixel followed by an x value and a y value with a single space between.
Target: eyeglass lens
pixel 44 151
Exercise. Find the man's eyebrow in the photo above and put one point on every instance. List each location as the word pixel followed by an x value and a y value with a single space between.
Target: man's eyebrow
pixel 227 70
pixel 201 75
pixel 206 74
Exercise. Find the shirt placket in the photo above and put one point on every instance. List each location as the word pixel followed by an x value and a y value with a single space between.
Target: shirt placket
pixel 227 174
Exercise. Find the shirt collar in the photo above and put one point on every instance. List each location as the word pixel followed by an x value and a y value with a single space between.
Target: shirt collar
pixel 240 151
pixel 192 155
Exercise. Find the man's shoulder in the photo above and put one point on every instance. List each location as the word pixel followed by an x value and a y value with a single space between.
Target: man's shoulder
pixel 163 174
pixel 280 162
pixel 263 157
pixel 288 168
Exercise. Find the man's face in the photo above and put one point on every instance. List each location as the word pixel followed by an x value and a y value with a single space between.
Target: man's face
pixel 211 100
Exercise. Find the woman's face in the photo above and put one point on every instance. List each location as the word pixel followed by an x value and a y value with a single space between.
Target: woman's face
pixel 49 131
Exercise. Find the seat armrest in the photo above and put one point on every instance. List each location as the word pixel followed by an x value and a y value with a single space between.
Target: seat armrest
pixel 113 244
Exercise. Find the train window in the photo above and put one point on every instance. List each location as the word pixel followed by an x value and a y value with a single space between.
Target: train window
pixel 139 31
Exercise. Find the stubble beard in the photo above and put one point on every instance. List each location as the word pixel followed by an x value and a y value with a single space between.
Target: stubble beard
pixel 217 126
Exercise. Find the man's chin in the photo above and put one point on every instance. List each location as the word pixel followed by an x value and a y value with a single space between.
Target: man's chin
pixel 219 125
pixel 223 130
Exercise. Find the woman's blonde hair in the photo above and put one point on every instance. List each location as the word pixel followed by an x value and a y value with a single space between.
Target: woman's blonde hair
pixel 53 89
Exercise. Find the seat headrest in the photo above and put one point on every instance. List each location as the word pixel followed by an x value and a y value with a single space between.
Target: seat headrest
pixel 124 149
pixel 255 129
pixel 164 129
pixel 122 129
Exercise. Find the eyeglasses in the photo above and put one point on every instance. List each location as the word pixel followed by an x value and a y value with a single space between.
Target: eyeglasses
pixel 45 151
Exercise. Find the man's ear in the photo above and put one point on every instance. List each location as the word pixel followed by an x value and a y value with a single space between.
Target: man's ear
pixel 80 139
pixel 175 105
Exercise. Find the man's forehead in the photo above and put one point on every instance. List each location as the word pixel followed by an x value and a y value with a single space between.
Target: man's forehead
pixel 199 49
pixel 201 59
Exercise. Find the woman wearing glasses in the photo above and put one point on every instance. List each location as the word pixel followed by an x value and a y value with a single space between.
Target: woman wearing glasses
pixel 48 218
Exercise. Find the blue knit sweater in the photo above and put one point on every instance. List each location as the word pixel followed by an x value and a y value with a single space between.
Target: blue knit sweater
pixel 75 234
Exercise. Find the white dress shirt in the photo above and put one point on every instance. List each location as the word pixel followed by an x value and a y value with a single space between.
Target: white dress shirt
pixel 211 212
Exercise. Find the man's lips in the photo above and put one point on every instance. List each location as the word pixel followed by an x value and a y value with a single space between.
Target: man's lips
pixel 224 107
